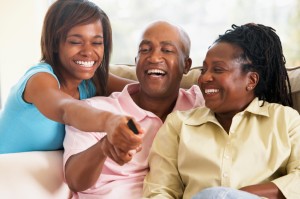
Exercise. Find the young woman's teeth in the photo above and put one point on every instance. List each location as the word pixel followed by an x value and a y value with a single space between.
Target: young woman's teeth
pixel 155 72
pixel 85 63
pixel 211 91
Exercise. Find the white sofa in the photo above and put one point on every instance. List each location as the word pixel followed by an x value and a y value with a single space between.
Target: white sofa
pixel 32 175
pixel 38 175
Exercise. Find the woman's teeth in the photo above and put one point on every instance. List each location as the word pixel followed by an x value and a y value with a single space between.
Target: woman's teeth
pixel 211 91
pixel 85 63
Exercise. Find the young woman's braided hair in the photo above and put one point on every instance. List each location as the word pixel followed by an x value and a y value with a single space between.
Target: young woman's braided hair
pixel 262 52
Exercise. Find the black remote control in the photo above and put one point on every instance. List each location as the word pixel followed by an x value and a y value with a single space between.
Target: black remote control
pixel 132 126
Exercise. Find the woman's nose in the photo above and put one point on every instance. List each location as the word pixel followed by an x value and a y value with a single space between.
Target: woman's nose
pixel 87 50
pixel 205 77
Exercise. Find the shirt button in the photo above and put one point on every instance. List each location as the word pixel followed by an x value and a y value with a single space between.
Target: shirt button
pixel 226 157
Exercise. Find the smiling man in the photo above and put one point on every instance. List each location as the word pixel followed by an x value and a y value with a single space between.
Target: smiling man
pixel 96 168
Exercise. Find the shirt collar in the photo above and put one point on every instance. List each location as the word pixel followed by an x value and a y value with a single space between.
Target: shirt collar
pixel 130 108
pixel 203 114
pixel 128 105
pixel 188 99
pixel 258 107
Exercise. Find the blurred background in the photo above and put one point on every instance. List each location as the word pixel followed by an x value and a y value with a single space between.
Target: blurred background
pixel 21 24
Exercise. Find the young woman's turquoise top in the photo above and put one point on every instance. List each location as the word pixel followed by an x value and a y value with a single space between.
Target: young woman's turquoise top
pixel 23 127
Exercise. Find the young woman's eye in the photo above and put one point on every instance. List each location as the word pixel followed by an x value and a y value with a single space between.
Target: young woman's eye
pixel 98 43
pixel 75 42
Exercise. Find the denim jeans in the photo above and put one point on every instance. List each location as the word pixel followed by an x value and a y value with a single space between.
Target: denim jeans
pixel 224 193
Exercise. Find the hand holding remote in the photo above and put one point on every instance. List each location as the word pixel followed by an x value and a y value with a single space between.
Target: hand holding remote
pixel 132 126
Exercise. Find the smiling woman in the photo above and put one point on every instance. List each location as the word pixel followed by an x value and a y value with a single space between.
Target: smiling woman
pixel 218 66
pixel 81 55
pixel 76 45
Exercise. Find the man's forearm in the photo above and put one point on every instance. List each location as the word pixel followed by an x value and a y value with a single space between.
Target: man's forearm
pixel 82 170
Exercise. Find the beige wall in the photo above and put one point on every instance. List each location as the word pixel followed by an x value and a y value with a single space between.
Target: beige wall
pixel 20 23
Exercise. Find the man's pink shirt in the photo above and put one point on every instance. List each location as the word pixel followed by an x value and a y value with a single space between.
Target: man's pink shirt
pixel 124 181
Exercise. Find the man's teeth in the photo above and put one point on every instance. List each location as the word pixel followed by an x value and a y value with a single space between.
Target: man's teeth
pixel 85 63
pixel 155 72
pixel 211 91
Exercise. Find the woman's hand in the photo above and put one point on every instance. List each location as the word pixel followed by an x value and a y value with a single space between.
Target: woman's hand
pixel 268 190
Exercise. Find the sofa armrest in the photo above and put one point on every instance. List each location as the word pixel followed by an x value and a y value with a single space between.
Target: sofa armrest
pixel 32 175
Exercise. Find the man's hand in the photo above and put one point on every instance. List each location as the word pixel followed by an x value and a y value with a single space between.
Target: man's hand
pixel 116 154
pixel 120 135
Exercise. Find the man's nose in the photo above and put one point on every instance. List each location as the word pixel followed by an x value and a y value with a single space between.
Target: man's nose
pixel 155 56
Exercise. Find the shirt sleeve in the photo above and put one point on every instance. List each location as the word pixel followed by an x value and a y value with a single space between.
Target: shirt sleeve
pixel 77 141
pixel 289 184
pixel 163 180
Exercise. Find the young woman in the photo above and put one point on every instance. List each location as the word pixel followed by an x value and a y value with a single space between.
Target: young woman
pixel 76 45
pixel 247 137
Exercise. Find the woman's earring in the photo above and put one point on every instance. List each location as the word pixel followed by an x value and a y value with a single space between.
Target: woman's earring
pixel 249 88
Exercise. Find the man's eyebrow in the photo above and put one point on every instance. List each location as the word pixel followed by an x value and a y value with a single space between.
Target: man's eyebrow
pixel 145 42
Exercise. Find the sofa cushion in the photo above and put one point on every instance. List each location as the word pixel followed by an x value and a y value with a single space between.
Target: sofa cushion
pixel 32 175
pixel 294 76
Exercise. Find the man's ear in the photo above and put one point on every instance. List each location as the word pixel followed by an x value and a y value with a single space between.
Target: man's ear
pixel 253 78
pixel 187 65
